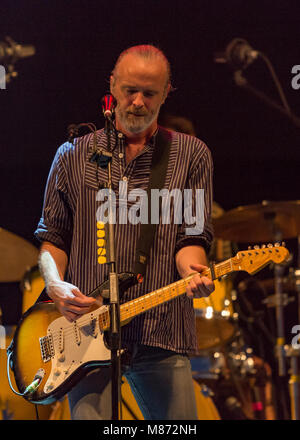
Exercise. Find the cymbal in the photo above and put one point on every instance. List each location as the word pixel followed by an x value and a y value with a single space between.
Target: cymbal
pixel 268 221
pixel 16 255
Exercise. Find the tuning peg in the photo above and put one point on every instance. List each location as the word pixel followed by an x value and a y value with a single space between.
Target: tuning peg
pixel 277 244
pixel 270 245
pixel 249 248
pixel 256 246
pixel 263 246
pixel 283 244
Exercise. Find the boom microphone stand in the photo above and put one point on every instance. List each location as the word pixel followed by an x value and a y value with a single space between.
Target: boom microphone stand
pixel 242 82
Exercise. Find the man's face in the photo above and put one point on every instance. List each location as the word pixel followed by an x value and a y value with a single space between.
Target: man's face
pixel 140 88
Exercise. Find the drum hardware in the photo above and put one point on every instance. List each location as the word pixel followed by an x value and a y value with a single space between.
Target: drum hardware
pixel 272 300
pixel 288 283
pixel 294 353
pixel 263 222
pixel 294 381
pixel 251 377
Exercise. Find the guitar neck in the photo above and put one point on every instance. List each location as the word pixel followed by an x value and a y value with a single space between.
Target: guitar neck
pixel 146 302
pixel 164 294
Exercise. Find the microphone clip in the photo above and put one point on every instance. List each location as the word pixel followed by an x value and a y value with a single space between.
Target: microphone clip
pixel 101 158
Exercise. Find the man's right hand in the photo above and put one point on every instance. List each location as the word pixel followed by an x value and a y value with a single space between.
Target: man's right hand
pixel 68 299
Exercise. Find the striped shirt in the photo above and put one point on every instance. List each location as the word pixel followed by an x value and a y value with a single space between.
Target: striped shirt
pixel 69 222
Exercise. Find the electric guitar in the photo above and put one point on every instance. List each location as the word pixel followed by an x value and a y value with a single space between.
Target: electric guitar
pixel 49 355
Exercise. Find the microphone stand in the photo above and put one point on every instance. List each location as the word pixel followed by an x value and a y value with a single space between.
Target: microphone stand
pixel 241 81
pixel 114 304
pixel 103 159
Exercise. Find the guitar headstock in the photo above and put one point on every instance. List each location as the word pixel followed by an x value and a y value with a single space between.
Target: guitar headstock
pixel 252 260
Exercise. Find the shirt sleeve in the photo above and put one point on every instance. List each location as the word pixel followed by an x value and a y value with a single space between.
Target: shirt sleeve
pixel 196 228
pixel 56 222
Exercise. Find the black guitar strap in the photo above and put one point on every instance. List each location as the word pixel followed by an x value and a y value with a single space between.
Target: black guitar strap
pixel 160 159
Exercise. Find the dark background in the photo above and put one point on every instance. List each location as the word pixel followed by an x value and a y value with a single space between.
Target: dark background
pixel 255 149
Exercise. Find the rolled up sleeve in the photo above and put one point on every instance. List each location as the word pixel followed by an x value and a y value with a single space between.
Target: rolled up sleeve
pixel 56 222
pixel 199 204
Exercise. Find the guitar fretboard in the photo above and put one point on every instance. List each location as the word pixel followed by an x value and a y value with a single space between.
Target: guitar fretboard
pixel 146 302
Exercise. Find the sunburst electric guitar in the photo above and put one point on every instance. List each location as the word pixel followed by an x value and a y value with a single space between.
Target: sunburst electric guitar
pixel 49 355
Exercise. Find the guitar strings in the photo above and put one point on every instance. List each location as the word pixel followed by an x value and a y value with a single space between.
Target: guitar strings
pixel 127 309
pixel 132 308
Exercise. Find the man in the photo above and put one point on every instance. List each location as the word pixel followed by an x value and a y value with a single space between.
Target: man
pixel 160 339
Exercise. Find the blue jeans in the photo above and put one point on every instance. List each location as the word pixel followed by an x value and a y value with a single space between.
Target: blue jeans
pixel 160 380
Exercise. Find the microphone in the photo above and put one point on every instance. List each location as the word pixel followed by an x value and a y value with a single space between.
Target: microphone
pixel 10 51
pixel 108 105
pixel 238 53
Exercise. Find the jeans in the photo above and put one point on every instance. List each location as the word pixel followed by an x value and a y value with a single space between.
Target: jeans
pixel 160 380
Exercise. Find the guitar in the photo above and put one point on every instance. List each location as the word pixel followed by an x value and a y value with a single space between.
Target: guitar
pixel 49 355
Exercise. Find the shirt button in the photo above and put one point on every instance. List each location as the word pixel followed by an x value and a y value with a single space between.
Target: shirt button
pixel 121 155
pixel 125 179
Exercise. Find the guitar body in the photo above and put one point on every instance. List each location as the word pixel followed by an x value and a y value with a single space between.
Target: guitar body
pixel 69 357
pixel 47 344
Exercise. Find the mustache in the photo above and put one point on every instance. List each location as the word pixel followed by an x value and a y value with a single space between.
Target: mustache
pixel 136 113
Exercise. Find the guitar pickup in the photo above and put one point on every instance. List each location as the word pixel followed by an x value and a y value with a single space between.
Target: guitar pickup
pixel 47 348
pixel 76 333
pixel 61 341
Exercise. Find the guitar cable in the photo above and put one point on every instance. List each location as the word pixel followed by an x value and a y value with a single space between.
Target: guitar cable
pixel 28 389
pixel 34 384
pixel 8 377
pixel 36 412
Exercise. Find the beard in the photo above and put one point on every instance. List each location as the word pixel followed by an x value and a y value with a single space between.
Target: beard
pixel 135 122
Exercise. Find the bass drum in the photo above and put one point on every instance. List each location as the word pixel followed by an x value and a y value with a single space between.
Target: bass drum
pixel 215 318
pixel 206 409
pixel 14 407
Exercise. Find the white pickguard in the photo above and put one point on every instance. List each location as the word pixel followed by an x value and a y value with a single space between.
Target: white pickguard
pixel 75 344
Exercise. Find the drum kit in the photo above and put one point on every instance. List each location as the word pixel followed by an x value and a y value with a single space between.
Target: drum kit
pixel 244 379
pixel 232 379
pixel 18 264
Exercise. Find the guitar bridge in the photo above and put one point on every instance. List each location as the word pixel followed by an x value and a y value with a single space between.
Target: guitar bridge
pixel 47 348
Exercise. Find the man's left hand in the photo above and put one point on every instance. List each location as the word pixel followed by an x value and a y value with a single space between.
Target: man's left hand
pixel 199 286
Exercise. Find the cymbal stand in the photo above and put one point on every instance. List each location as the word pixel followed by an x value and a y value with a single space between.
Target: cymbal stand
pixel 280 342
pixel 294 354
pixel 280 349
pixel 270 217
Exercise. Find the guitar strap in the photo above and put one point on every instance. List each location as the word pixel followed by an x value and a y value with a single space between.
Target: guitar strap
pixel 159 164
